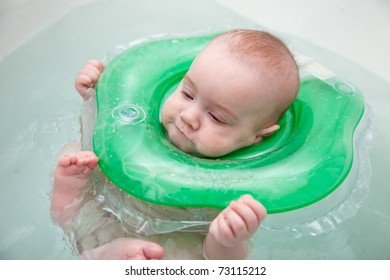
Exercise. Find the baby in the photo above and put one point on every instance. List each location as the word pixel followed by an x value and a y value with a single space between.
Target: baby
pixel 232 96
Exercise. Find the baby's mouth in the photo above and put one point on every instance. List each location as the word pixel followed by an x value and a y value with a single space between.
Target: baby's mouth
pixel 189 147
pixel 184 134
pixel 181 128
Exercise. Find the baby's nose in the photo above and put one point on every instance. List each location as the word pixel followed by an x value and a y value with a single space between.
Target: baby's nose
pixel 190 118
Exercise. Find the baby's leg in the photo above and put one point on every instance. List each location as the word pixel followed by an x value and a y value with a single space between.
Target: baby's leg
pixel 229 232
pixel 125 249
pixel 70 178
pixel 97 234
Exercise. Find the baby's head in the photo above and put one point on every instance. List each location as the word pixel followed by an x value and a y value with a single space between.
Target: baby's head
pixel 233 95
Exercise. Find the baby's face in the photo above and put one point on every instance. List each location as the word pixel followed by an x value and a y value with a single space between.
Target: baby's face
pixel 215 109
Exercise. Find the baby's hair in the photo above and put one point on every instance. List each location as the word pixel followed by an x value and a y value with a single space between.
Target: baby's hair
pixel 254 43
pixel 255 48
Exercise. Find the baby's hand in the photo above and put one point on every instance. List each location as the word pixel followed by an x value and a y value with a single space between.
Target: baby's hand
pixel 88 77
pixel 238 222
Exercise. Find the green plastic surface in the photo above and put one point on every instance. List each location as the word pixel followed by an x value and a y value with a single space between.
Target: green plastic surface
pixel 308 158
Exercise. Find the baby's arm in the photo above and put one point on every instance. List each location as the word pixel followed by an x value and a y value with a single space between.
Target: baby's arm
pixel 229 232
pixel 88 77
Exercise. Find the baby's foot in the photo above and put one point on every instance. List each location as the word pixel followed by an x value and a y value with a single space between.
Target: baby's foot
pixel 125 249
pixel 73 171
pixel 76 166
pixel 70 178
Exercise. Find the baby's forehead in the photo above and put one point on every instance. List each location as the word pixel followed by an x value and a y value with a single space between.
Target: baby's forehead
pixel 247 61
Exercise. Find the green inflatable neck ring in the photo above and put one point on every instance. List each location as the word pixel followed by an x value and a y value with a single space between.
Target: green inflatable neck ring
pixel 307 159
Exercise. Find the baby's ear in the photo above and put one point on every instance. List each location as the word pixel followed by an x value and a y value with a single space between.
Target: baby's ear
pixel 270 129
pixel 266 132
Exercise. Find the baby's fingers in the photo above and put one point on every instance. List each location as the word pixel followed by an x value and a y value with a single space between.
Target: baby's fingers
pixel 255 206
pixel 98 65
pixel 93 69
pixel 82 83
pixel 246 215
pixel 225 231
pixel 237 224
pixel 92 74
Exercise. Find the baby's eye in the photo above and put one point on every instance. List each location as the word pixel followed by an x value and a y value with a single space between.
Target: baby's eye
pixel 187 95
pixel 216 118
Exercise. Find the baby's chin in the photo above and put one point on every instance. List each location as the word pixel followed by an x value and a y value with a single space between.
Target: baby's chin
pixel 180 142
pixel 197 152
pixel 188 147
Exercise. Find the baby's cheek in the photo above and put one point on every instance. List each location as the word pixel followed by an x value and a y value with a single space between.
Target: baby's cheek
pixel 167 112
pixel 216 146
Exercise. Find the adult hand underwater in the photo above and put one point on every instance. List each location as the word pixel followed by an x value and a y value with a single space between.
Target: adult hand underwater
pixel 231 97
